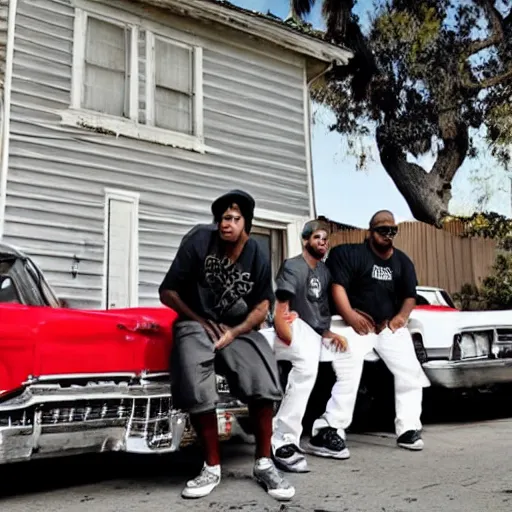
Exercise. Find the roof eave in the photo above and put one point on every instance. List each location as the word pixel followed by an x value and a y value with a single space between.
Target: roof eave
pixel 257 27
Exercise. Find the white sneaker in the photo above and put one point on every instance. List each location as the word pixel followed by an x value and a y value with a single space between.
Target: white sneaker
pixel 267 476
pixel 203 484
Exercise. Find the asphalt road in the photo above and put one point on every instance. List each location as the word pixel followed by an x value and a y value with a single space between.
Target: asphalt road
pixel 465 467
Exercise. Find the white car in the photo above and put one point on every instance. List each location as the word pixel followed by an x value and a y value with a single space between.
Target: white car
pixel 458 349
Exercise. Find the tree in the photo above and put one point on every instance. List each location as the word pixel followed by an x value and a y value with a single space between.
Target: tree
pixel 427 76
pixel 497 287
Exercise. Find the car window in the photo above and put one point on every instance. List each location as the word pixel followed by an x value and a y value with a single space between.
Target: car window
pixel 429 297
pixel 8 292
pixel 420 300
pixel 448 299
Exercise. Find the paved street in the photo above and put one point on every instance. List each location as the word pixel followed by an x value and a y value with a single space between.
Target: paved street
pixel 465 467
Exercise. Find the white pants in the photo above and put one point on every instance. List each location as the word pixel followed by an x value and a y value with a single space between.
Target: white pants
pixel 397 352
pixel 304 354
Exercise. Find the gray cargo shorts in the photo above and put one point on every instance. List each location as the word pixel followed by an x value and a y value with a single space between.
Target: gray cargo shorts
pixel 248 364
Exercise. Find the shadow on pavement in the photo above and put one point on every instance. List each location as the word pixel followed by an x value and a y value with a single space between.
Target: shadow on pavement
pixel 123 469
pixel 71 471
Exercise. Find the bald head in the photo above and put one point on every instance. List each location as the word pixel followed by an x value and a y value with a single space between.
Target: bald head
pixel 382 218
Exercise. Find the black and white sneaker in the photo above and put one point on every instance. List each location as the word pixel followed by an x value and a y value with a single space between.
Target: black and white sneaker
pixel 328 443
pixel 290 458
pixel 411 440
pixel 268 477
pixel 203 484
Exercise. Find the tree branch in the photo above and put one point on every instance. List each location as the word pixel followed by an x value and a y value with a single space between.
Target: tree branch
pixel 489 82
pixel 453 154
pixel 497 34
pixel 426 194
pixel 498 27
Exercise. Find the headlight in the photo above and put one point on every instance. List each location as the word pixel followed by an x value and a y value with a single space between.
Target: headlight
pixel 472 344
pixel 467 346
pixel 482 343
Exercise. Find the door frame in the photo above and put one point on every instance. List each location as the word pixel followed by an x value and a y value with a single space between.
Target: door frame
pixel 133 198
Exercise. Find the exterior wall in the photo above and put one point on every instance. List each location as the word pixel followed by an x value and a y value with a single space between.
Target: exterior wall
pixel 4 12
pixel 254 119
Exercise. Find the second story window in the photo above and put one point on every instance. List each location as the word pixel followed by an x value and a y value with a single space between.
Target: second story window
pixel 106 77
pixel 171 85
pixel 136 78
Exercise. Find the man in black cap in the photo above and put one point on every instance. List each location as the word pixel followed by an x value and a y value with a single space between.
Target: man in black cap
pixel 302 322
pixel 220 284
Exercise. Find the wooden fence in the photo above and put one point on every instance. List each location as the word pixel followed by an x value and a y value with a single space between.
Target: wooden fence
pixel 442 257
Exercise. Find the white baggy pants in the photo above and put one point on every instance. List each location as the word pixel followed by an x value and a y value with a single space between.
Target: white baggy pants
pixel 397 351
pixel 304 354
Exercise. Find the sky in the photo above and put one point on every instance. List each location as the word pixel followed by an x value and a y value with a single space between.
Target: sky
pixel 345 194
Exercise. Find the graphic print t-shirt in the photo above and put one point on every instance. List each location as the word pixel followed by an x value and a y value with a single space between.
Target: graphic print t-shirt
pixel 213 286
pixel 376 286
pixel 307 290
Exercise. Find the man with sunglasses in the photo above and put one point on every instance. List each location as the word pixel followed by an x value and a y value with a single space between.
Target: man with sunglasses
pixel 302 321
pixel 374 291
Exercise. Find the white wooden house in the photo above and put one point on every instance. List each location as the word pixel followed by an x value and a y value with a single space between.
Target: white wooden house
pixel 122 120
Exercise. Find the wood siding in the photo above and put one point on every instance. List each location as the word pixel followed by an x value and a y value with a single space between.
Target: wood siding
pixel 253 123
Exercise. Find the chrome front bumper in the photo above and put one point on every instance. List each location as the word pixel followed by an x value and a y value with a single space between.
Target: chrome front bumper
pixel 469 374
pixel 65 415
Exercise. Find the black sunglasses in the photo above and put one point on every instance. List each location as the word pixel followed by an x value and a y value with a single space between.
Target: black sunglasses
pixel 389 231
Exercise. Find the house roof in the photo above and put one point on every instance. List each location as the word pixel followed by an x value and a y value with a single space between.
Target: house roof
pixel 303 28
pixel 338 226
pixel 302 39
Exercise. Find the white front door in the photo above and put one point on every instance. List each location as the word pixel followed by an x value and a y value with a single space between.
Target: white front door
pixel 121 251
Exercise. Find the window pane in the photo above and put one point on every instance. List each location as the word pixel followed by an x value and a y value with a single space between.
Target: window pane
pixel 271 243
pixel 8 291
pixel 106 73
pixel 173 67
pixel 263 241
pixel 173 110
pixel 173 87
pixel 104 91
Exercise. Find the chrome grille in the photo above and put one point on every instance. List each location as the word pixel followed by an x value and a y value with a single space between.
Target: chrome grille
pixel 83 412
pixel 20 418
pixel 150 421
pixel 150 417
pixel 502 348
pixel 504 335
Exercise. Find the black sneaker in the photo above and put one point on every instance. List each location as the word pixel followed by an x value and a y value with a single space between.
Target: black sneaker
pixel 411 440
pixel 290 458
pixel 328 443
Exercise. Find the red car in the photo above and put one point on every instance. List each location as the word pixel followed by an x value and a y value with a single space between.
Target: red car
pixel 74 381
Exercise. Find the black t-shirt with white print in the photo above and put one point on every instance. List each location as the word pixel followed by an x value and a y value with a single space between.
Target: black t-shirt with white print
pixel 373 285
pixel 211 285
pixel 307 290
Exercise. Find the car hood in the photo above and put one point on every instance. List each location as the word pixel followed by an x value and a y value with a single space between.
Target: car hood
pixel 464 319
pixel 41 341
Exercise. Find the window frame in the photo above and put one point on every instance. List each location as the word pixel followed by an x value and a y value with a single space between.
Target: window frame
pixel 150 78
pixel 77 92
pixel 77 116
pixel 277 239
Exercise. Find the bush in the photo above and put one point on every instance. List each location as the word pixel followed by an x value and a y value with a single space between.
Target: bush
pixel 496 289
pixel 469 298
